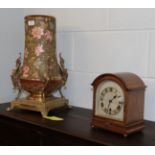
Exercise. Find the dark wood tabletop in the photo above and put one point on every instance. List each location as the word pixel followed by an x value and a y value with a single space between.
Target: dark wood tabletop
pixel 76 123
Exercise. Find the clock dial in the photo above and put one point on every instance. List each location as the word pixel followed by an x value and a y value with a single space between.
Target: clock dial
pixel 110 100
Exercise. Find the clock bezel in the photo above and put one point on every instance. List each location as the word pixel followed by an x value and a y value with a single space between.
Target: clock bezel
pixel 96 109
pixel 111 78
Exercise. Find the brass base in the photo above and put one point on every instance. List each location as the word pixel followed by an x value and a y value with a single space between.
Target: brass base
pixel 43 106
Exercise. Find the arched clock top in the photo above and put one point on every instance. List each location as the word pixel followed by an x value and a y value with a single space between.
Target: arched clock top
pixel 129 80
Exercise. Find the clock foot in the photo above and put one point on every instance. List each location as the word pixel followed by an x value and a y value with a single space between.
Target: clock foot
pixel 92 126
pixel 125 135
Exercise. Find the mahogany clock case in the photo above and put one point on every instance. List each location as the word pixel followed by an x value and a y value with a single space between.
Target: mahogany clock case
pixel 133 119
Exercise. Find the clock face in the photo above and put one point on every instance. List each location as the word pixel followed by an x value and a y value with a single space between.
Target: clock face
pixel 110 100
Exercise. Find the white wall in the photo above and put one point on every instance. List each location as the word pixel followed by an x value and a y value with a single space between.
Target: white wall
pixel 93 41
pixel 96 41
pixel 11 43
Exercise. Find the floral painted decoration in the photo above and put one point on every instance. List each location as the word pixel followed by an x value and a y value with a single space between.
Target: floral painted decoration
pixel 39 49
pixel 48 36
pixel 25 53
pixel 26 71
pixel 37 32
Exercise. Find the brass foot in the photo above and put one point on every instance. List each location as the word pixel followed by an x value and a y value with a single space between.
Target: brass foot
pixel 40 106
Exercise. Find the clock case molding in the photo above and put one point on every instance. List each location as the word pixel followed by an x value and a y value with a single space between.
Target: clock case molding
pixel 134 89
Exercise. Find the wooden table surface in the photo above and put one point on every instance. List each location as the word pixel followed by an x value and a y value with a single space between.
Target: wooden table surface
pixel 77 123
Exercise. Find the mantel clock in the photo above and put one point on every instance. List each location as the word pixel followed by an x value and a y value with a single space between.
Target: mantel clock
pixel 118 102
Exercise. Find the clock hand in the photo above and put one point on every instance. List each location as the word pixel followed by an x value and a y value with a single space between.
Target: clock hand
pixel 110 101
pixel 113 98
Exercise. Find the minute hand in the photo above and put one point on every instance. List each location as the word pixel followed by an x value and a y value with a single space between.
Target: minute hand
pixel 110 101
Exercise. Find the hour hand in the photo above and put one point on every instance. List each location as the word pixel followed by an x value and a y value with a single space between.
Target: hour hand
pixel 110 101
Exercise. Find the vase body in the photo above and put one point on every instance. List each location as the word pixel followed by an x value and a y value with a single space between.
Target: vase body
pixel 40 74
pixel 40 70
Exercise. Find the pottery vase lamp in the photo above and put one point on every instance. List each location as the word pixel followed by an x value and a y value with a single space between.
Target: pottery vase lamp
pixel 40 74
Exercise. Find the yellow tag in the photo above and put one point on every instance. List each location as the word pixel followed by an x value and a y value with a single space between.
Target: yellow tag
pixel 54 118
